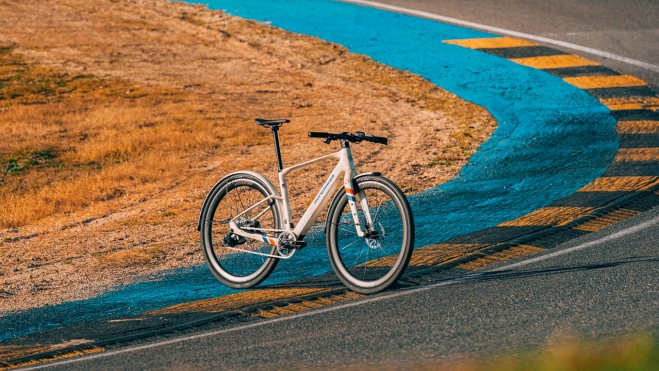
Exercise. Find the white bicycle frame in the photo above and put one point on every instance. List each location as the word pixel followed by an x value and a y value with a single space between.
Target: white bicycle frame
pixel 329 188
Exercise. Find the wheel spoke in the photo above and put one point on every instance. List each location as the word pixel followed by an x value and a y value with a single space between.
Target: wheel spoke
pixel 357 259
pixel 352 231
pixel 374 218
pixel 352 243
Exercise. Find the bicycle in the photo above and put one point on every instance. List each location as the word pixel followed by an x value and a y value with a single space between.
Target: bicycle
pixel 246 227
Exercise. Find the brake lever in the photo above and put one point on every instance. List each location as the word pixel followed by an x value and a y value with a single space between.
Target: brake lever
pixel 327 140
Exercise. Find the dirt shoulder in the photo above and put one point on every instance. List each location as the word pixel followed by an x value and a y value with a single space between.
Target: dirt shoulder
pixel 117 116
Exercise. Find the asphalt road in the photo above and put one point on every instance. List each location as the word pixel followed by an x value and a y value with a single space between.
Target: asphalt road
pixel 602 291
pixel 627 28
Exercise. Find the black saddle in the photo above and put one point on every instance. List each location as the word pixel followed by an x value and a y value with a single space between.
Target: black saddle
pixel 264 122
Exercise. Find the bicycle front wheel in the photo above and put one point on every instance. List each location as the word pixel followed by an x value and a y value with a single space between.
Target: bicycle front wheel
pixel 372 263
pixel 233 259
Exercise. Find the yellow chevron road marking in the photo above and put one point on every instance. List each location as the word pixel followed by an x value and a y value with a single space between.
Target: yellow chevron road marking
pixel 491 43
pixel 441 253
pixel 306 305
pixel 387 261
pixel 607 219
pixel 625 106
pixel 273 312
pixel 638 127
pixel 235 301
pixel 549 216
pixel 430 255
pixel 637 154
pixel 511 253
pixel 555 61
pixel 596 82
pixel 558 216
pixel 71 354
pixel 631 103
pixel 16 351
pixel 621 183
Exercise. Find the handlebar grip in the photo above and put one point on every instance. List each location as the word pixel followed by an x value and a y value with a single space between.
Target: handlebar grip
pixel 315 134
pixel 381 140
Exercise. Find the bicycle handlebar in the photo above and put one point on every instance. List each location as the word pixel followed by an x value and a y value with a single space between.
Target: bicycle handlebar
pixel 357 137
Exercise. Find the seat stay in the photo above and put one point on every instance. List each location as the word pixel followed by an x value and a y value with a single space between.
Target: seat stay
pixel 256 205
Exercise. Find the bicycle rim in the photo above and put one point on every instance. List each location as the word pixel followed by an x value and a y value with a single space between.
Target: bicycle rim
pixel 370 265
pixel 238 267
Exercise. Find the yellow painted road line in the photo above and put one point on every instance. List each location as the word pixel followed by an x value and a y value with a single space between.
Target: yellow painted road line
pixel 274 312
pixel 597 82
pixel 631 103
pixel 625 106
pixel 441 253
pixel 235 301
pixel 306 305
pixel 75 353
pixel 511 253
pixel 430 255
pixel 16 351
pixel 607 219
pixel 638 127
pixel 637 154
pixel 491 43
pixel 555 61
pixel 621 184
pixel 387 261
pixel 549 216
pixel 311 304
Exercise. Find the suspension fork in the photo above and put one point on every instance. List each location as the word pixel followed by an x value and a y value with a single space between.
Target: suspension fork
pixel 353 193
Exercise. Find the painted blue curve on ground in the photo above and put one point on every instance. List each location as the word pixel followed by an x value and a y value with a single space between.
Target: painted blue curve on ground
pixel 551 139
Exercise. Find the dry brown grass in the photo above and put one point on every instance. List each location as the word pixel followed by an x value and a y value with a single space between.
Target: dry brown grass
pixel 117 117
pixel 74 144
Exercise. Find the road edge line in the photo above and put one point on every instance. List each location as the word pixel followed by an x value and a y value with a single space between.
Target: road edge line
pixel 503 31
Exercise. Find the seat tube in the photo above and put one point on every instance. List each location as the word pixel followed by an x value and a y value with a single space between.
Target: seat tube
pixel 274 130
pixel 288 222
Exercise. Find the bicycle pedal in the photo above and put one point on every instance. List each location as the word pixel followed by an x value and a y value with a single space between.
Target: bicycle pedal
pixel 299 245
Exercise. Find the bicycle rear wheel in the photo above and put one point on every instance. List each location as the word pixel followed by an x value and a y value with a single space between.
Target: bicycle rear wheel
pixel 230 257
pixel 370 265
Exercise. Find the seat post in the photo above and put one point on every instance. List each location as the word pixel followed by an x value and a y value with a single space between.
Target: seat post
pixel 275 129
